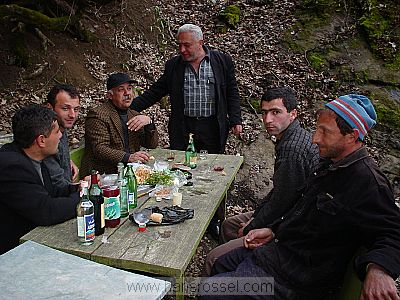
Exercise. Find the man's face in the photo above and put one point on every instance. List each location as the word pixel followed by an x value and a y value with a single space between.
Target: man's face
pixel 189 48
pixel 67 109
pixel 51 142
pixel 332 144
pixel 275 116
pixel 122 95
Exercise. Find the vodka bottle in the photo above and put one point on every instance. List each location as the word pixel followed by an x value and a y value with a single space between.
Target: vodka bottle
pixel 85 218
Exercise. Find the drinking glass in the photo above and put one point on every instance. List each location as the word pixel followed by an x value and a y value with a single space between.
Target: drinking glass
pixel 171 156
pixel 203 154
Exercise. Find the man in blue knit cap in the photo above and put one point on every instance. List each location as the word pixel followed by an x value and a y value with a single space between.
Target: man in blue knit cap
pixel 346 204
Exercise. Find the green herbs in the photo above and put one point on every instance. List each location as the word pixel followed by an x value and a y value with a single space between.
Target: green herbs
pixel 159 177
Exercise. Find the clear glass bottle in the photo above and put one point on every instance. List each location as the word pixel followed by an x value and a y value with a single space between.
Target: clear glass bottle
pixel 96 196
pixel 123 191
pixel 191 154
pixel 85 218
pixel 131 184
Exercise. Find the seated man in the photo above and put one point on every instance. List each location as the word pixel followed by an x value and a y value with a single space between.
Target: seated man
pixel 27 196
pixel 108 140
pixel 346 203
pixel 296 158
pixel 64 100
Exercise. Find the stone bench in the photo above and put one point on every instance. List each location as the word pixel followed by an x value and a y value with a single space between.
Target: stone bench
pixel 34 271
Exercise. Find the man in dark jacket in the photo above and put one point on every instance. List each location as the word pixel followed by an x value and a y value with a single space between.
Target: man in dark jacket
pixel 28 198
pixel 64 100
pixel 347 203
pixel 296 158
pixel 203 94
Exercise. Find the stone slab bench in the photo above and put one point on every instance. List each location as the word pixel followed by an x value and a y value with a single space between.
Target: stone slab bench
pixel 34 271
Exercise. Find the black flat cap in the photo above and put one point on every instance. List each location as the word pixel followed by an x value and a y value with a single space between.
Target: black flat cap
pixel 117 79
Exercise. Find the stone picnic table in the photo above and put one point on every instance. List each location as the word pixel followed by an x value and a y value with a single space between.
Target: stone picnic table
pixel 34 271
pixel 160 250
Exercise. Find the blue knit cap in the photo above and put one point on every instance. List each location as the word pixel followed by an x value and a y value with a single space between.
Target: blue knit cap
pixel 356 110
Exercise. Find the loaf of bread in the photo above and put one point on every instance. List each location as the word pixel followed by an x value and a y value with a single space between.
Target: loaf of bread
pixel 156 217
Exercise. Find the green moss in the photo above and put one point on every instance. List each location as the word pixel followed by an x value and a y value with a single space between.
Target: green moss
pixel 34 17
pixel 304 29
pixel 395 64
pixel 256 104
pixel 230 15
pixel 317 60
pixel 381 23
pixel 374 24
pixel 388 116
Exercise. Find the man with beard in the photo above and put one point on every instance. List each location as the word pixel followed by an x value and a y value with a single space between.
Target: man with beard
pixel 347 203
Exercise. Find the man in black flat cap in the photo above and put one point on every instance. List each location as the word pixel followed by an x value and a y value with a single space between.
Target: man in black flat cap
pixel 108 140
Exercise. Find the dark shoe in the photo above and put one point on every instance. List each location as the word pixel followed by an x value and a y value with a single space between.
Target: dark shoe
pixel 213 229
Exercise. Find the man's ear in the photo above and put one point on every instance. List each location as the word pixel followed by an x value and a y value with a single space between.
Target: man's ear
pixel 293 115
pixel 41 140
pixel 354 135
pixel 48 105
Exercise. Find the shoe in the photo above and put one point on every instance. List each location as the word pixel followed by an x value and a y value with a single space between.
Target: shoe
pixel 213 229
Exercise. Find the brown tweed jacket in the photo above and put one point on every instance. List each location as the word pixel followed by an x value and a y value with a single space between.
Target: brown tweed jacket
pixel 104 146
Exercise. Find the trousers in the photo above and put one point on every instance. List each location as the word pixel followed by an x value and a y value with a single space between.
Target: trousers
pixel 228 238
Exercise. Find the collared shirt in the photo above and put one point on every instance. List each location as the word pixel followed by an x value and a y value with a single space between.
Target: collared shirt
pixel 199 89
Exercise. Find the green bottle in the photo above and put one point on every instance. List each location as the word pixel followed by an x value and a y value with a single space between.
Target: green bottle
pixel 131 184
pixel 123 190
pixel 191 154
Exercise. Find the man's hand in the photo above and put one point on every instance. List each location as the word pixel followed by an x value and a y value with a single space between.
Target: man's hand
pixel 237 129
pixel 139 156
pixel 378 285
pixel 138 122
pixel 75 171
pixel 242 226
pixel 258 237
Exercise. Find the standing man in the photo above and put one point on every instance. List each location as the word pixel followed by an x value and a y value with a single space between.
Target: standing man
pixel 203 94
pixel 107 138
pixel 64 100
pixel 295 158
pixel 28 197
pixel 346 204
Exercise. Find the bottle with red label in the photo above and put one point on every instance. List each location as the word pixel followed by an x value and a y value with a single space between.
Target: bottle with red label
pixel 85 218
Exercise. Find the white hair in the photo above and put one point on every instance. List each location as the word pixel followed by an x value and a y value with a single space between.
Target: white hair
pixel 194 29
